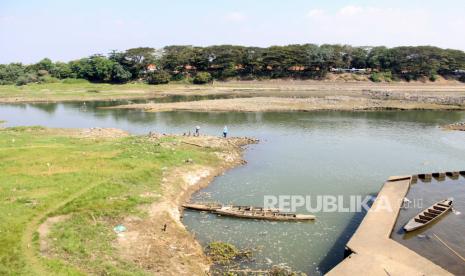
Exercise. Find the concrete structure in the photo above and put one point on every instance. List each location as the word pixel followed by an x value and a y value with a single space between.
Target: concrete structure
pixel 373 252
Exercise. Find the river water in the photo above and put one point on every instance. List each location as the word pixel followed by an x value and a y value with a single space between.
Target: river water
pixel 303 154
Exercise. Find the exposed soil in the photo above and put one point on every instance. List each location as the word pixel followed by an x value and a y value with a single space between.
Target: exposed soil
pixel 264 104
pixel 44 230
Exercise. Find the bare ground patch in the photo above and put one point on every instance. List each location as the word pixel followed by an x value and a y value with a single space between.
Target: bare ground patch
pixel 44 230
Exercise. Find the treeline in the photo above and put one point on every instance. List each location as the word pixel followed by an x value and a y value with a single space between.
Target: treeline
pixel 203 64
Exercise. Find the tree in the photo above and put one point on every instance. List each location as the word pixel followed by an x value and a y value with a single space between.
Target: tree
pixel 119 74
pixel 135 60
pixel 202 78
pixel 96 68
pixel 158 77
pixel 10 73
pixel 62 70
pixel 45 64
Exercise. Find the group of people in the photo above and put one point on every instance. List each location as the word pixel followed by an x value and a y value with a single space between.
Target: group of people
pixel 225 131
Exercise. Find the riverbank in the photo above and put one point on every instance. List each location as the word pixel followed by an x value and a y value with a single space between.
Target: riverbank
pixel 55 92
pixel 60 207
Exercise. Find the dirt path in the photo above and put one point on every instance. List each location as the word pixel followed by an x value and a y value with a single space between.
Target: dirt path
pixel 27 239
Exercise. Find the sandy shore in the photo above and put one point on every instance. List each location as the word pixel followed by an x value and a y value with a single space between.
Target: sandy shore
pixel 265 104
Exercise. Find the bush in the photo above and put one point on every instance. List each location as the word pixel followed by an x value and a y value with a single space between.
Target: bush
pixel 25 79
pixel 48 79
pixel 221 252
pixel 433 77
pixel 158 77
pixel 202 78
pixel 381 76
pixel 375 77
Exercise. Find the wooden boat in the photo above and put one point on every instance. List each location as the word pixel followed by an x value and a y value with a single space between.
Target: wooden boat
pixel 428 215
pixel 263 214
pixel 247 212
pixel 202 206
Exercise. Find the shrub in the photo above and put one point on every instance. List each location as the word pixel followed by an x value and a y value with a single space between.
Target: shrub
pixel 375 77
pixel 48 79
pixel 25 79
pixel 202 78
pixel 221 252
pixel 433 77
pixel 158 77
pixel 387 76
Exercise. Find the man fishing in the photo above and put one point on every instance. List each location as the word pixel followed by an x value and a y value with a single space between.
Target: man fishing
pixel 225 131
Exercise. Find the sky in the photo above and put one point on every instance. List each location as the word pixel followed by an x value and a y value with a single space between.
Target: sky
pixel 66 30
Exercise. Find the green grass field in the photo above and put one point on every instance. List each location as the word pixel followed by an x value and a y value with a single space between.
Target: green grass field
pixel 97 182
pixel 79 90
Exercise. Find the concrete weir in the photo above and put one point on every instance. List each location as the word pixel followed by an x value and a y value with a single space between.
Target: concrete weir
pixel 372 251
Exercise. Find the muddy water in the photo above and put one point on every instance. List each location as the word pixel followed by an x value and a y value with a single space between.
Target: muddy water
pixel 450 228
pixel 314 153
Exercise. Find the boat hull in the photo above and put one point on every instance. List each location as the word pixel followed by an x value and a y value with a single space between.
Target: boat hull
pixel 427 216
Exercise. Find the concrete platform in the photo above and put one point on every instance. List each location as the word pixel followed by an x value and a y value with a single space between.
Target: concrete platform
pixel 373 252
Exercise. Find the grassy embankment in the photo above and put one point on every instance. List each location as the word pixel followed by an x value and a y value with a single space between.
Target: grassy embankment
pixel 95 181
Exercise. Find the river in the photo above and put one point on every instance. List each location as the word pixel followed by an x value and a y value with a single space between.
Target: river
pixel 313 153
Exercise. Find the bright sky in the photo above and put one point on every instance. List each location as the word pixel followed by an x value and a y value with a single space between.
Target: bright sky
pixel 66 30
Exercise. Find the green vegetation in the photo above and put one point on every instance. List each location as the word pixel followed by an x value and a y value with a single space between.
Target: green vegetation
pixel 158 77
pixel 222 252
pixel 307 61
pixel 77 89
pixel 383 76
pixel 202 78
pixel 95 181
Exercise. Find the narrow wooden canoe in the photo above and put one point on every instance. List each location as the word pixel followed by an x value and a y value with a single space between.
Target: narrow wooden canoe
pixel 202 207
pixel 249 212
pixel 263 214
pixel 429 215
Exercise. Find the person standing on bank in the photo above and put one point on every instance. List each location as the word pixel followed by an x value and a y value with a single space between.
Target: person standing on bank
pixel 197 130
pixel 225 131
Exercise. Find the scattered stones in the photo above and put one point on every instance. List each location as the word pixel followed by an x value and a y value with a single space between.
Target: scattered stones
pixel 457 126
